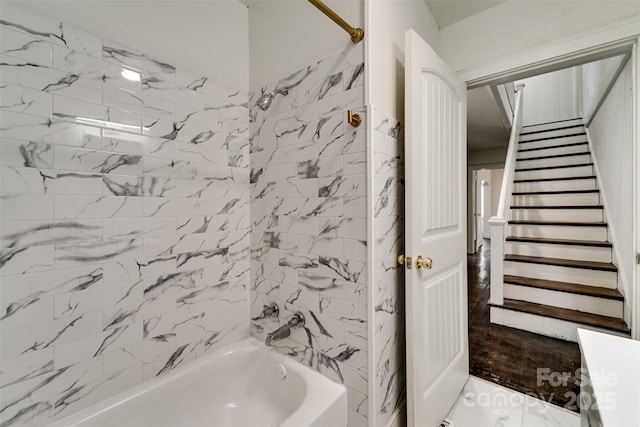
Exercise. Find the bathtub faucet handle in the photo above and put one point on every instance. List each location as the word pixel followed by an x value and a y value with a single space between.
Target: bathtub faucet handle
pixel 270 310
pixel 297 320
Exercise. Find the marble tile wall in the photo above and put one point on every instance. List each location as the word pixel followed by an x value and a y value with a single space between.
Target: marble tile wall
pixel 124 208
pixel 388 287
pixel 309 220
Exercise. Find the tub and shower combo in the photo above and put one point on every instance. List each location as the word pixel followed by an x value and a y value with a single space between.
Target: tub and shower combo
pixel 244 384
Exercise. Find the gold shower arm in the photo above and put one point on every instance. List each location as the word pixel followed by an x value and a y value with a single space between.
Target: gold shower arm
pixel 356 33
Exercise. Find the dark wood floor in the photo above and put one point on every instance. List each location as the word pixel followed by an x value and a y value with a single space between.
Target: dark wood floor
pixel 511 357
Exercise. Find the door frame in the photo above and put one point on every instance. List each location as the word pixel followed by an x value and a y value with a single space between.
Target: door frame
pixel 617 39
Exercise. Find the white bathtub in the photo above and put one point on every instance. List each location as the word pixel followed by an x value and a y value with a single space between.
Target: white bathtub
pixel 244 384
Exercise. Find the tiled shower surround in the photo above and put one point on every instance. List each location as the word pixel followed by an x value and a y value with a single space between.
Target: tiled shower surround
pixel 147 222
pixel 125 218
pixel 309 220
pixel 388 243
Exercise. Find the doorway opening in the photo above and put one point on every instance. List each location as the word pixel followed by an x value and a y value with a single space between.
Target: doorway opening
pixel 508 354
pixel 485 195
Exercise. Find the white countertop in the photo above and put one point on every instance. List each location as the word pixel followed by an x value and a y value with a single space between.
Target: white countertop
pixel 613 365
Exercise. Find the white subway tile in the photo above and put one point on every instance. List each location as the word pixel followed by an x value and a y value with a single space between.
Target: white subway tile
pixel 77 207
pixel 20 315
pixel 22 46
pixel 15 234
pixel 25 100
pixel 139 227
pixel 26 206
pixel 45 335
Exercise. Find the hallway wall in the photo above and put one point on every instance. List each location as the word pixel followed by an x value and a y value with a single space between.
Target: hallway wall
pixel 389 20
pixel 595 79
pixel 496 185
pixel 551 97
pixel 611 136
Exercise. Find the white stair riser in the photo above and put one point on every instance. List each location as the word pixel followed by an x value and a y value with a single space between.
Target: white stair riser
pixel 553 151
pixel 554 161
pixel 551 142
pixel 549 134
pixel 548 250
pixel 584 303
pixel 577 215
pixel 542 325
pixel 551 126
pixel 581 276
pixel 555 173
pixel 581 199
pixel 564 185
pixel 559 232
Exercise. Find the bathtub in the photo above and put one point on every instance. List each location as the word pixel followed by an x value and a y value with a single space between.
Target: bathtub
pixel 244 384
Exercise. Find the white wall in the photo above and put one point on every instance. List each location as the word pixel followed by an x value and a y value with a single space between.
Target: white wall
pixel 482 223
pixel 489 158
pixel 611 137
pixel 496 185
pixel 389 20
pixel 208 37
pixel 596 77
pixel 551 97
pixel 515 26
pixel 287 35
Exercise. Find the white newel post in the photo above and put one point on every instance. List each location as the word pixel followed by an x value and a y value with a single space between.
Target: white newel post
pixel 498 227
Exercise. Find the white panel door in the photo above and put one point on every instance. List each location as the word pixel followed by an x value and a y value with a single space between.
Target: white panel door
pixel 436 298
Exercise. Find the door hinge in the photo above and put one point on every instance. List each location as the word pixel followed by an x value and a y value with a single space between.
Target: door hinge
pixel 638 257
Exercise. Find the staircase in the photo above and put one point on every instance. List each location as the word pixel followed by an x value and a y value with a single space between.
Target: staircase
pixel 558 271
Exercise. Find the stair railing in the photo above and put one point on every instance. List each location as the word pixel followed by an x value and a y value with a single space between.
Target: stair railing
pixel 499 222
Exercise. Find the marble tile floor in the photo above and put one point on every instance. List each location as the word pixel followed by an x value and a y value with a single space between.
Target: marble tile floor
pixel 483 404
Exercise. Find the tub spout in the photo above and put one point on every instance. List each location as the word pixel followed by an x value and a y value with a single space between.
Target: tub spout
pixel 280 333
pixel 296 321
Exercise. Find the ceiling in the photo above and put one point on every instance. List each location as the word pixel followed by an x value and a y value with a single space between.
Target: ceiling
pixel 485 128
pixel 447 12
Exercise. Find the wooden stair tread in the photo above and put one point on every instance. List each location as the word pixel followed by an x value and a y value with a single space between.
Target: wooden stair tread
pixel 551 130
pixel 573 288
pixel 526 193
pixel 570 242
pixel 550 123
pixel 554 167
pixel 559 262
pixel 560 223
pixel 562 178
pixel 575 316
pixel 573 144
pixel 558 207
pixel 554 156
pixel 553 137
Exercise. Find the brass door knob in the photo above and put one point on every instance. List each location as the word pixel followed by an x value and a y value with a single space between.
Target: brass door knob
pixel 425 262
pixel 400 259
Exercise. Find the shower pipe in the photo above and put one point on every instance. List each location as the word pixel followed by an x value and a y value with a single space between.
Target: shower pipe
pixel 356 33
